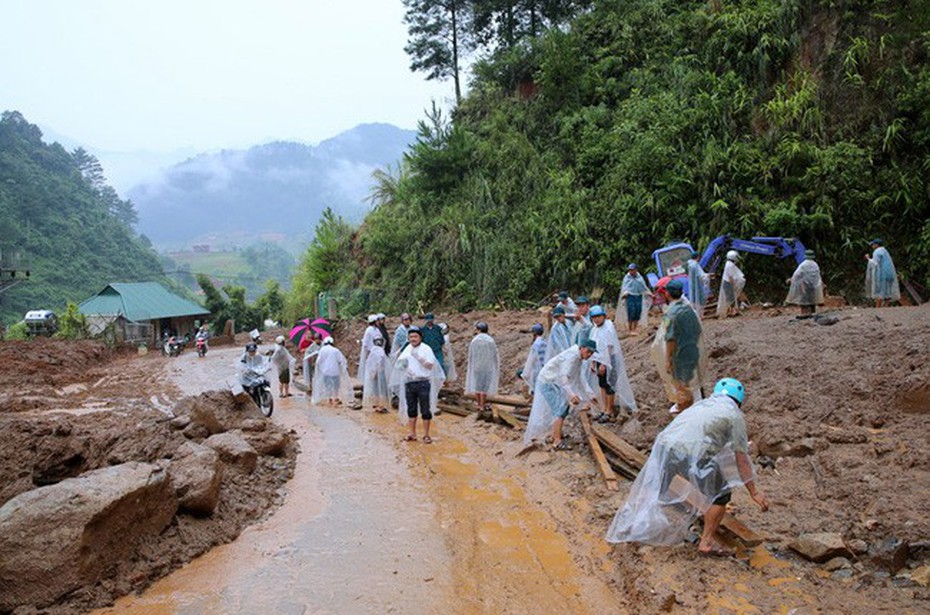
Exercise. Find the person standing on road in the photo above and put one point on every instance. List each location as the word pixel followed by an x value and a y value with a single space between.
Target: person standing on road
pixel 806 286
pixel 561 384
pixel 416 379
pixel 610 368
pixel 633 295
pixel 431 335
pixel 448 356
pixel 368 340
pixel 331 381
pixel 382 328
pixel 375 387
pixel 400 335
pixel 697 285
pixel 699 458
pixel 484 370
pixel 535 359
pixel 310 354
pixel 282 361
pixel 731 287
pixel 560 336
pixel 678 349
pixel 881 279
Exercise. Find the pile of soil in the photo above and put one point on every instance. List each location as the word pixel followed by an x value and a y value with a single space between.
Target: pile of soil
pixel 119 409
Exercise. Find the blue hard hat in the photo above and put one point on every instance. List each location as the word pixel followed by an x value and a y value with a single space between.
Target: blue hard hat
pixel 537 328
pixel 482 326
pixel 580 300
pixel 631 266
pixel 558 311
pixel 598 311
pixel 732 388
pixel 590 345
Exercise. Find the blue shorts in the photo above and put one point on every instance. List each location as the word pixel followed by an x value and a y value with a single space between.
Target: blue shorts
pixel 634 307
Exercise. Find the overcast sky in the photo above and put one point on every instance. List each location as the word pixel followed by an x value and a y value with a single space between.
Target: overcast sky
pixel 167 74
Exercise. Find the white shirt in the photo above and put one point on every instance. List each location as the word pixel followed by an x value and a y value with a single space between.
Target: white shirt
pixel 420 362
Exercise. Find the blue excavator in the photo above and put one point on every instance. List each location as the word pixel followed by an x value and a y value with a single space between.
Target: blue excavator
pixel 672 260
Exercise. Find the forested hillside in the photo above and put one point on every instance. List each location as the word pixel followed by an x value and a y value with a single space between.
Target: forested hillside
pixel 587 141
pixel 64 222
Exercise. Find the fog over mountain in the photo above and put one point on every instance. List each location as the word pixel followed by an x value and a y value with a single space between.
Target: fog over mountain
pixel 279 188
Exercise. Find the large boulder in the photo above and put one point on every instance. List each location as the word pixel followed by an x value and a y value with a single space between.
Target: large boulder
pixel 234 450
pixel 196 477
pixel 272 442
pixel 820 547
pixel 57 538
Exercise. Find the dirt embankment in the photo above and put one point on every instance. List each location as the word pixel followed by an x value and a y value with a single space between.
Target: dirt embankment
pixel 88 408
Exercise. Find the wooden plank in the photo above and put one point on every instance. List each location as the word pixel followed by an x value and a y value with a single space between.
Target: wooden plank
pixel 620 467
pixel 620 447
pixel 609 477
pixel 454 409
pixel 510 419
pixel 685 490
pixel 505 400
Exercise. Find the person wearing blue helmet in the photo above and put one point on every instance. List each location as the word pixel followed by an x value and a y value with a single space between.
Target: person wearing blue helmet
pixel 582 326
pixel 695 464
pixel 536 357
pixel 881 279
pixel 636 297
pixel 610 368
pixel 560 336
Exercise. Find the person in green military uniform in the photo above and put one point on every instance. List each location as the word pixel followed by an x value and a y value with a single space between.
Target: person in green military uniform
pixel 682 346
pixel 433 337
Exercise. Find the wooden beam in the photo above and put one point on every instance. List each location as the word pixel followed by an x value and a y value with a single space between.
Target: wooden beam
pixel 454 409
pixel 609 477
pixel 505 400
pixel 510 419
pixel 620 447
pixel 689 493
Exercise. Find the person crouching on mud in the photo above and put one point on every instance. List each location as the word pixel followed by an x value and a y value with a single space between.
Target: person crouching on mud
pixel 696 461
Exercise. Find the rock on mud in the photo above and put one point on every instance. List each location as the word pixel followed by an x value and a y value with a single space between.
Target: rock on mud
pixel 820 547
pixel 58 538
pixel 889 554
pixel 234 450
pixel 196 477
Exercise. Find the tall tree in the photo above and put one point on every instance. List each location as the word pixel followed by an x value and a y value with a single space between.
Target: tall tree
pixel 440 37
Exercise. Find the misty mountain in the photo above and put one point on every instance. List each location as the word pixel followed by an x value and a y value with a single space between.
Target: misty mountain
pixel 278 188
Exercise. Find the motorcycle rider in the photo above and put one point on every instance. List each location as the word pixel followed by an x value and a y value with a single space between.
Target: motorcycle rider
pixel 251 364
pixel 202 336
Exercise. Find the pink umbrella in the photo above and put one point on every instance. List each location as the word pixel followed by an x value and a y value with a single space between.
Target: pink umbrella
pixel 305 328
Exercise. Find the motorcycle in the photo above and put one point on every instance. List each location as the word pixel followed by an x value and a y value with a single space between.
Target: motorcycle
pixel 255 382
pixel 201 346
pixel 172 346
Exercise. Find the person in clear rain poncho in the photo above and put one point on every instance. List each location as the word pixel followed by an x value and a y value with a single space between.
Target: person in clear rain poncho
pixel 582 322
pixel 368 340
pixel 375 387
pixel 400 335
pixel 560 335
pixel 535 358
pixel 331 383
pixel 678 350
pixel 560 386
pixel 881 279
pixel 447 354
pixel 697 285
pixel 283 362
pixel 609 368
pixel 634 301
pixel 484 369
pixel 695 463
pixel 806 286
pixel 568 305
pixel 731 286
pixel 416 380
pixel 310 357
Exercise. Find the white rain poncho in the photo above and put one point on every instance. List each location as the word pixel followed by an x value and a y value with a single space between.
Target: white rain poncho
pixel 881 279
pixel 560 338
pixel 309 356
pixel 806 285
pixel 731 286
pixel 693 462
pixel 697 286
pixel 282 359
pixel 535 359
pixel 610 354
pixel 368 340
pixel 484 369
pixel 401 375
pixel 331 377
pixel 449 359
pixel 375 392
pixel 634 286
pixel 690 365
pixel 252 369
pixel 560 379
pixel 569 306
pixel 581 330
pixel 400 340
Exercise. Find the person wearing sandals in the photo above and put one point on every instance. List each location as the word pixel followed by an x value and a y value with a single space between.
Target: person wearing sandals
pixel 559 386
pixel 695 463
pixel 416 379
pixel 609 368
pixel 483 373
pixel 375 386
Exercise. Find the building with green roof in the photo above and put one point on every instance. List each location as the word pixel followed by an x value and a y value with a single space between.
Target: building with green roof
pixel 141 311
